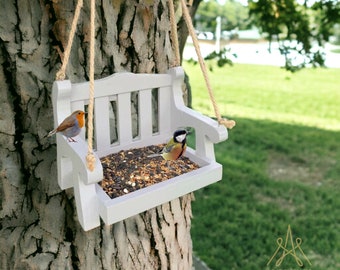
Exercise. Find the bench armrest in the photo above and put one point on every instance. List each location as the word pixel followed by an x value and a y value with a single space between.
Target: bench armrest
pixel 208 131
pixel 73 160
pixel 202 123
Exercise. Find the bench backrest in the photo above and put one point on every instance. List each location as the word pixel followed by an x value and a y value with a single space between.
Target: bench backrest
pixel 130 110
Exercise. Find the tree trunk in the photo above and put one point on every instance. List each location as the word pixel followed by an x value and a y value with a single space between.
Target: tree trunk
pixel 39 228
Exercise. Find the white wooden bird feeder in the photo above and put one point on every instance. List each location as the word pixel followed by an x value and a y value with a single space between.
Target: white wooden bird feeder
pixel 91 200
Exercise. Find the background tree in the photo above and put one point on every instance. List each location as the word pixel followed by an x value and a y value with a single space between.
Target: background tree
pixel 300 29
pixel 39 227
pixel 233 15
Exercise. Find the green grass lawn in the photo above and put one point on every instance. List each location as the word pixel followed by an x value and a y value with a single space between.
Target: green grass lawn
pixel 280 167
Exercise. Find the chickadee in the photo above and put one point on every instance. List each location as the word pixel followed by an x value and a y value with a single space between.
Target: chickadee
pixel 175 148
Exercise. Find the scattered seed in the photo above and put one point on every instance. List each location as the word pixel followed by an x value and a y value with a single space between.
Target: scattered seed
pixel 139 170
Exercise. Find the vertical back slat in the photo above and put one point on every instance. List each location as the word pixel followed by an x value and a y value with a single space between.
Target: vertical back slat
pixel 102 123
pixel 124 119
pixel 145 113
pixel 164 112
pixel 117 133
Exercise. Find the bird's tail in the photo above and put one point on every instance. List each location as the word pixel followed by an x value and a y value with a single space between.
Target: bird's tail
pixel 154 155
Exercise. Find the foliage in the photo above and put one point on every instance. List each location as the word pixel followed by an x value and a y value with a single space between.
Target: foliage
pixel 327 14
pixel 336 35
pixel 279 168
pixel 233 14
pixel 300 29
pixel 221 58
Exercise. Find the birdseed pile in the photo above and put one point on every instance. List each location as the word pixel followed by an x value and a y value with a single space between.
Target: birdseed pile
pixel 130 170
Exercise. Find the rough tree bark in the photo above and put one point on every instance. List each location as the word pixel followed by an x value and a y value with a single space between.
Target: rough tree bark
pixel 39 227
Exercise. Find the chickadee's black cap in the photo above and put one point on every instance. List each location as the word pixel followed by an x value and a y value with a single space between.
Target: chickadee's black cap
pixel 180 132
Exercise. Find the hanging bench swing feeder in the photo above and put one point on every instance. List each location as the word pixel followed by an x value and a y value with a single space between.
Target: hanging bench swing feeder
pixel 79 166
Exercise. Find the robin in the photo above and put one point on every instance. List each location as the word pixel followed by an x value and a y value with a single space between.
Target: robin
pixel 71 126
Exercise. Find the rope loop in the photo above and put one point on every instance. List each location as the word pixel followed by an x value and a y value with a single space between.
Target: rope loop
pixel 90 161
pixel 227 123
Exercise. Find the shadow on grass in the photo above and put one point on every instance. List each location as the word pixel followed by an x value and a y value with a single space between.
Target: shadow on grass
pixel 274 175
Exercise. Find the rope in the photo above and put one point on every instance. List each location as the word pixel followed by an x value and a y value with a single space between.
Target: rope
pixel 60 75
pixel 90 158
pixel 227 123
pixel 174 37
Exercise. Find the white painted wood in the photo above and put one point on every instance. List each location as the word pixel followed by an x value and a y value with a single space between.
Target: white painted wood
pixel 102 124
pixel 120 83
pixel 164 105
pixel 61 98
pixel 92 202
pixel 86 202
pixel 124 119
pixel 114 210
pixel 145 113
